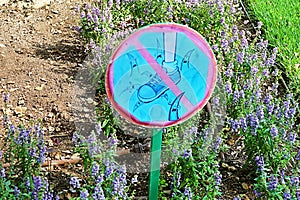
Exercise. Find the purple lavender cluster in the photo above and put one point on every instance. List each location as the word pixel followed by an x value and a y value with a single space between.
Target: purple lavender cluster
pixel 95 19
pixel 255 109
pixel 258 108
pixel 107 176
pixel 25 153
pixel 102 21
pixel 107 179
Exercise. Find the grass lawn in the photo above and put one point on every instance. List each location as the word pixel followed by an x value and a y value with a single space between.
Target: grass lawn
pixel 280 20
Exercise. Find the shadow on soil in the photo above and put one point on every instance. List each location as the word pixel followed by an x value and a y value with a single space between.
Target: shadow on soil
pixel 61 54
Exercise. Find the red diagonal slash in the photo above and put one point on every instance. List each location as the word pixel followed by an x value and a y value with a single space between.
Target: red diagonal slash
pixel 162 74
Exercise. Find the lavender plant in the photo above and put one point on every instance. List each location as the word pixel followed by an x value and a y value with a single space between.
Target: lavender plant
pixel 186 12
pixel 281 185
pixel 257 109
pixel 22 153
pixel 105 177
pixel 194 172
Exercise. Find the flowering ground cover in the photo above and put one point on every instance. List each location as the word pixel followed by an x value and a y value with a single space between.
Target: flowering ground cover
pixel 246 141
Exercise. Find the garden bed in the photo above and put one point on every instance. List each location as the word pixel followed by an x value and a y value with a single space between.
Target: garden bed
pixel 42 60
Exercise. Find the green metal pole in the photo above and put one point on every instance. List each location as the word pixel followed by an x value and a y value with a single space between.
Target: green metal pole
pixel 156 140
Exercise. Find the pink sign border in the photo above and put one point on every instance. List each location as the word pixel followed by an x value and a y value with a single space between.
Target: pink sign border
pixel 194 36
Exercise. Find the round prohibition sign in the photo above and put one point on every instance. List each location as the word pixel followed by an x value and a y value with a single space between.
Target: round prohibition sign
pixel 161 75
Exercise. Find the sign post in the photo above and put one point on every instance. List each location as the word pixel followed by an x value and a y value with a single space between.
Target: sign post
pixel 156 141
pixel 160 76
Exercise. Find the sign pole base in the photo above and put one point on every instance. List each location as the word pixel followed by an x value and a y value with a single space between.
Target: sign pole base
pixel 156 141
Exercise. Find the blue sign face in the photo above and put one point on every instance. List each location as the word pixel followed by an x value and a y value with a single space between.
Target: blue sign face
pixel 161 75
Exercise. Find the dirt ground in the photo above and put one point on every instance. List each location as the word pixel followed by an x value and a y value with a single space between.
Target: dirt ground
pixel 39 56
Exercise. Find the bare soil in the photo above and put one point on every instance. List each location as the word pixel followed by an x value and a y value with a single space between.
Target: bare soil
pixel 39 56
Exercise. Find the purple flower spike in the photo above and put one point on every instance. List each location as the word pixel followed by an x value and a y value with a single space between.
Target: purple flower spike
pixel 98 193
pixel 234 124
pixel 265 43
pixel 110 3
pixel 298 195
pixel 236 96
pixel 87 6
pixel 82 15
pixel 260 113
pixel 269 62
pixel 244 43
pixel 99 179
pixel 23 136
pixel 89 17
pixel 215 47
pixel 6 97
pixel 266 73
pixel 113 141
pixel 16 191
pixel 222 20
pixel 273 183
pixel 178 179
pixel 188 193
pixel 187 153
pixel 96 11
pixel 295 181
pixel 292 138
pixel 95 169
pixel 84 194
pixel 298 155
pixel 274 131
pixel 270 108
pixel 268 99
pixel 240 57
pixel 229 73
pixel 2 173
pixel 287 196
pixel 243 123
pixel 228 88
pixel 254 70
pixel 74 182
pixel 38 186
pixel 217 144
pixel 257 193
pixel 254 122
pixel 234 29
pixel 77 8
pixel 260 162
pixel 224 43
pixel 242 32
pixel 282 176
pixel 218 178
pixel 77 28
pixel 98 129
pixel 254 57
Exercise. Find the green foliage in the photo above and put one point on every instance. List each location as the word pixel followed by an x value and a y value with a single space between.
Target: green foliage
pixel 104 177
